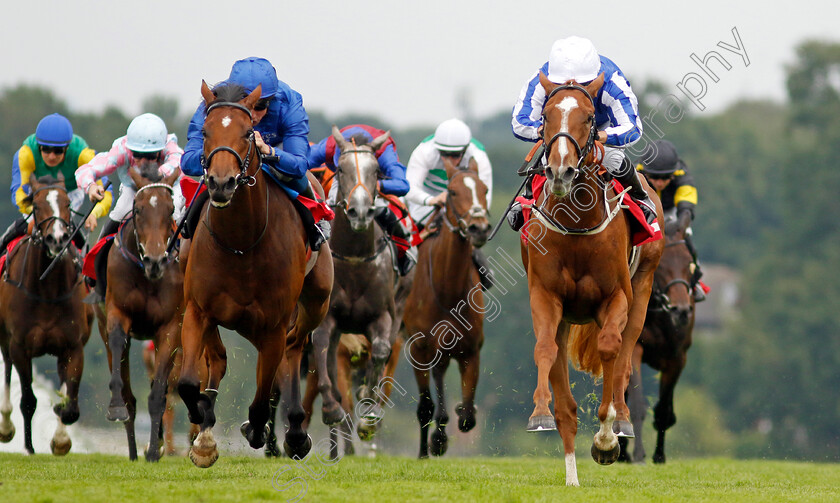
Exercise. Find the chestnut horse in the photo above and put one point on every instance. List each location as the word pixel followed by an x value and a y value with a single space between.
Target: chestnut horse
pixel 246 271
pixel 445 309
pixel 44 317
pixel 664 342
pixel 576 260
pixel 144 300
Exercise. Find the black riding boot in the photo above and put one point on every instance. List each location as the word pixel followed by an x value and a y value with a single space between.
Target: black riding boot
pixel 318 232
pixel 194 214
pixel 485 274
pixel 515 217
pixel 15 230
pixel 699 294
pixel 629 177
pixel 100 264
pixel 110 227
pixel 389 223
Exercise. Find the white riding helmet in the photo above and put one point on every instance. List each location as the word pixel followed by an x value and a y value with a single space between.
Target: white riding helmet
pixel 146 133
pixel 452 135
pixel 573 58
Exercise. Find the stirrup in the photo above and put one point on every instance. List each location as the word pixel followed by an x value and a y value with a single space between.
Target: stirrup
pixel 320 234
pixel 648 210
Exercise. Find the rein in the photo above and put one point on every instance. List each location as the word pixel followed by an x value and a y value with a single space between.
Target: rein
pixel 237 251
pixel 26 291
pixel 37 235
pixel 125 252
pixel 660 293
pixel 460 219
pixel 609 215
pixel 383 243
pixel 582 153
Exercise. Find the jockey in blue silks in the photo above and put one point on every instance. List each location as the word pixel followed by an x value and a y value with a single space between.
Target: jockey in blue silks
pixel 393 183
pixel 616 110
pixel 279 119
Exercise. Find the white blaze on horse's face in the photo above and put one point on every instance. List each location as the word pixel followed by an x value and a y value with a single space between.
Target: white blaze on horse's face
pixel 52 199
pixel 226 121
pixel 566 106
pixel 153 201
pixel 476 210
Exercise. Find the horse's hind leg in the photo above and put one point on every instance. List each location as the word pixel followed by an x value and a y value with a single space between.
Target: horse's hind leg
pixel 165 347
pixel 469 366
pixel 425 409
pixel 663 412
pixel 118 344
pixel 638 405
pixel 439 439
pixel 271 348
pixel 272 450
pixel 297 442
pixel 7 428
pixel 70 367
pixel 325 344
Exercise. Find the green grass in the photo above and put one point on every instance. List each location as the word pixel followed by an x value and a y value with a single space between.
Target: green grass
pixel 91 478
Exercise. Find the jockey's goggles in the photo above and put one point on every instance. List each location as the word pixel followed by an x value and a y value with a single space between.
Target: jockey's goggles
pixel 451 153
pixel 46 149
pixel 262 104
pixel 145 155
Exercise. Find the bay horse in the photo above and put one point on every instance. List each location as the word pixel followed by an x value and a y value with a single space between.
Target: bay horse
pixel 144 300
pixel 246 271
pixel 44 317
pixel 664 341
pixel 576 258
pixel 445 309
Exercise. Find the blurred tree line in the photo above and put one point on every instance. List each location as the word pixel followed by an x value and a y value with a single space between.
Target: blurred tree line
pixel 768 179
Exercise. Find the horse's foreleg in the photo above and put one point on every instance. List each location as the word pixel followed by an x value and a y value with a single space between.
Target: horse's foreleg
pixel 194 332
pixel 271 348
pixel 324 346
pixel 440 442
pixel 70 366
pixel 565 407
pixel 296 440
pixel 613 318
pixel 546 313
pixel 663 412
pixel 637 403
pixel 7 428
pixel 469 367
pixel 28 402
pixel 165 347
pixel 425 409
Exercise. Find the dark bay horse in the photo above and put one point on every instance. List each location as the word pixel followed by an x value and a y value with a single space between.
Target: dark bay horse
pixel 445 310
pixel 44 317
pixel 664 342
pixel 144 300
pixel 368 295
pixel 246 271
pixel 576 259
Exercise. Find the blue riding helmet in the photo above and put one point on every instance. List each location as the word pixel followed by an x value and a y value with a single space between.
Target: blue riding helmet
pixel 54 131
pixel 251 72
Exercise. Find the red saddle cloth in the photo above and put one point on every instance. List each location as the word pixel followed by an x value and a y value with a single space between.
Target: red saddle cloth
pixel 88 268
pixel 405 220
pixel 642 232
pixel 9 249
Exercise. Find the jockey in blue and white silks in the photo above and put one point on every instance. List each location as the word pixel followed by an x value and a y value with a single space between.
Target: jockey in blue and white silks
pixel 616 108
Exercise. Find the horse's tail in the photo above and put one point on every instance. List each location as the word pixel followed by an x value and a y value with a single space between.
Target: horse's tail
pixel 583 348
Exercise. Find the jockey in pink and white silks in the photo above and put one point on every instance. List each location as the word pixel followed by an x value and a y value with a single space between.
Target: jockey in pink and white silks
pixel 616 109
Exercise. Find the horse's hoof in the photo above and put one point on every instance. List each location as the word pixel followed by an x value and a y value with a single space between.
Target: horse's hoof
pixel 659 459
pixel 607 457
pixel 624 429
pixel 332 416
pixel 439 442
pixel 60 449
pixel 298 451
pixel 119 414
pixel 149 454
pixel 248 432
pixel 272 450
pixel 7 436
pixel 204 459
pixel 466 417
pixel 541 423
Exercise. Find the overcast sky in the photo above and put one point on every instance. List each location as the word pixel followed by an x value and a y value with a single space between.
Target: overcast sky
pixel 404 61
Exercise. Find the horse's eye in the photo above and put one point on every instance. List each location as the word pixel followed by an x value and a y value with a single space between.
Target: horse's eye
pixel 203 132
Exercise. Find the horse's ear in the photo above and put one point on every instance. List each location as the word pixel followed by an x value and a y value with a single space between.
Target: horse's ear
pixel 206 93
pixel 339 138
pixel 33 183
pixel 595 85
pixel 473 165
pixel 173 177
pixel 137 177
pixel 377 143
pixel 60 177
pixel 253 98
pixel 547 84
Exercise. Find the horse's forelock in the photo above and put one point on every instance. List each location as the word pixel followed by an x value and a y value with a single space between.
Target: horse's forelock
pixel 229 93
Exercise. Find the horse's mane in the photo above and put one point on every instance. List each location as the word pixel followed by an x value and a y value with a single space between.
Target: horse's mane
pixel 149 171
pixel 229 92
pixel 48 180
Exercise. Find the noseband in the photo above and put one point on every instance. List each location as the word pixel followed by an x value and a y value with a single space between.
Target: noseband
pixel 243 177
pixel 582 153
pixel 37 233
pixel 460 225
pixel 356 151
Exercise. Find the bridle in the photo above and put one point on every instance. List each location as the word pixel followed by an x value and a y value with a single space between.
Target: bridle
pixel 460 225
pixel 582 153
pixel 141 252
pixel 355 151
pixel 660 293
pixel 243 178
pixel 37 236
